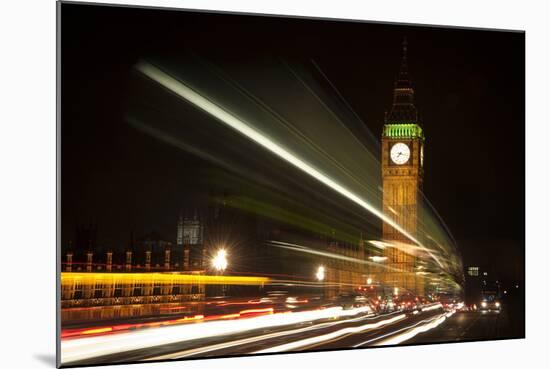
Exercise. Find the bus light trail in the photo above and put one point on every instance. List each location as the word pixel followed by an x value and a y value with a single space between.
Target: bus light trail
pixel 160 278
pixel 245 128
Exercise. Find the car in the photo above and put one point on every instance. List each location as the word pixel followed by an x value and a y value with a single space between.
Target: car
pixel 386 305
pixel 352 300
pixel 488 305
pixel 408 305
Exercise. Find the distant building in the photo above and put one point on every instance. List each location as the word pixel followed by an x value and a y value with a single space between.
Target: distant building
pixel 105 296
pixel 109 285
pixel 190 240
pixel 149 253
pixel 473 271
pixel 345 276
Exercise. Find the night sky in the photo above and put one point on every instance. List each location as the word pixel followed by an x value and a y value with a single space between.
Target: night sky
pixel 469 89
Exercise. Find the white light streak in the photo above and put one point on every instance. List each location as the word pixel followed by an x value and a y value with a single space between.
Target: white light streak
pixel 380 244
pixel 331 336
pixel 291 246
pixel 244 128
pixel 393 210
pixel 90 347
pixel 400 338
pixel 255 339
pixel 432 307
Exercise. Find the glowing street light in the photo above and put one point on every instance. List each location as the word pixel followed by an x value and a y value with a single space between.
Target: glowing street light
pixel 320 273
pixel 369 280
pixel 219 261
pixel 378 259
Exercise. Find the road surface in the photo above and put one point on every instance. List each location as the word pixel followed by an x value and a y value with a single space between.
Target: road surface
pixel 475 326
pixel 272 332
pixel 300 331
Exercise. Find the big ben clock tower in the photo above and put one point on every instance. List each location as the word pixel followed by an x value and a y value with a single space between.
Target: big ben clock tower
pixel 402 172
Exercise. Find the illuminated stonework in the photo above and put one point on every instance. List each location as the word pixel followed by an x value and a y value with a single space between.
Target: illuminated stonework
pixel 401 181
pixel 397 130
pixel 104 296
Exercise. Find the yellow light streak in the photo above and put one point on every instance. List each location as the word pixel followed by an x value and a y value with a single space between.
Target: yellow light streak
pixel 98 330
pixel 68 278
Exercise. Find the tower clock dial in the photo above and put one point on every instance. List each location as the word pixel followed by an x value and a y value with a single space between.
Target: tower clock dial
pixel 400 153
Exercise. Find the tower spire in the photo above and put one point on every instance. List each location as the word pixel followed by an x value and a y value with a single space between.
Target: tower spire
pixel 403 79
pixel 403 109
pixel 404 70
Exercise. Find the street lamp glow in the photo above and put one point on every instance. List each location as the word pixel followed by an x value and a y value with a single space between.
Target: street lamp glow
pixel 378 259
pixel 320 273
pixel 396 291
pixel 369 280
pixel 219 262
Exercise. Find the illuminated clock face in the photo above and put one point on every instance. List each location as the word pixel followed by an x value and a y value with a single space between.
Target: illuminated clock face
pixel 400 153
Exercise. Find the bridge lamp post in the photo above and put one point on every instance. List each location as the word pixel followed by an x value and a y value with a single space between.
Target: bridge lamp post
pixel 219 262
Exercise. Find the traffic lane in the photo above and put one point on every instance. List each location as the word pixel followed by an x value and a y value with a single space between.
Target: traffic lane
pixel 333 337
pixel 153 352
pixel 260 339
pixel 378 336
pixel 469 326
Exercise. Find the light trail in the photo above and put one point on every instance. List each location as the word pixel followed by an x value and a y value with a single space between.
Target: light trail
pixel 432 307
pixel 400 338
pixel 305 249
pixel 330 336
pixel 299 248
pixel 69 278
pixel 255 339
pixel 396 337
pixel 92 347
pixel 71 333
pixel 246 129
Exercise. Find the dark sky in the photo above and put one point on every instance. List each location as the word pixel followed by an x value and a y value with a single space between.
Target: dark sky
pixel 469 88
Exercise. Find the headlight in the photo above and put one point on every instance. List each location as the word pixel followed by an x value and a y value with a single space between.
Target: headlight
pixel 497 304
pixel 483 304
